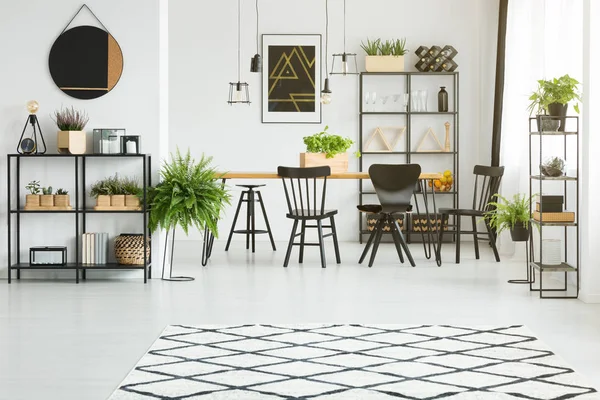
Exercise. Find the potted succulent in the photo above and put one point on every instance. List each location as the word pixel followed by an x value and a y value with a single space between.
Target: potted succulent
pixel 71 137
pixel 47 198
pixel 324 148
pixel 133 192
pixel 385 56
pixel 189 195
pixel 61 198
pixel 512 215
pixel 552 98
pixel 553 167
pixel 33 198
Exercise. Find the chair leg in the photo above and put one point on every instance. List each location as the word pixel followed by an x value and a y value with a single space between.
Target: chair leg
pixel 321 244
pixel 248 222
pixel 376 243
pixel 237 212
pixel 475 241
pixel 262 206
pixel 302 233
pixel 253 219
pixel 370 241
pixel 404 245
pixel 336 246
pixel 458 218
pixel 290 244
pixel 443 226
pixel 492 241
pixel 397 241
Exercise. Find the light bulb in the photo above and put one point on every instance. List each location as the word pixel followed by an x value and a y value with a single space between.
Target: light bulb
pixel 344 64
pixel 325 98
pixel 238 95
pixel 32 106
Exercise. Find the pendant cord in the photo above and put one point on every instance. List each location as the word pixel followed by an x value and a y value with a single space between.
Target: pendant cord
pixel 257 18
pixel 344 26
pixel 326 35
pixel 239 41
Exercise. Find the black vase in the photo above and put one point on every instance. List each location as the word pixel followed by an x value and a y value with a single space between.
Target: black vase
pixel 559 110
pixel 520 233
pixel 443 99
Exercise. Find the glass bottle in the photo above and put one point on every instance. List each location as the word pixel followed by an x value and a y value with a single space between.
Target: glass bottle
pixel 443 100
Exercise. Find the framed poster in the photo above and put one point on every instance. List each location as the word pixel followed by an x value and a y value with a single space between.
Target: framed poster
pixel 291 83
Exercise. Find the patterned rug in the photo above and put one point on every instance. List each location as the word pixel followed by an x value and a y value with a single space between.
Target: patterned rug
pixel 339 362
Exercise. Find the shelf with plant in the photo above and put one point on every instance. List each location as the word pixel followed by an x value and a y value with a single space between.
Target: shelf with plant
pixel 71 137
pixel 43 199
pixel 552 98
pixel 117 194
pixel 384 56
pixel 327 149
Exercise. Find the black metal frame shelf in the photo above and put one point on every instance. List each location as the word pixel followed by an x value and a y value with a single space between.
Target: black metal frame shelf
pixel 79 211
pixel 454 115
pixel 538 265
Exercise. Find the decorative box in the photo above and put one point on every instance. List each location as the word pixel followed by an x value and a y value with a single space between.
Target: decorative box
pixel 107 141
pixel 130 144
pixel 48 255
pixel 550 204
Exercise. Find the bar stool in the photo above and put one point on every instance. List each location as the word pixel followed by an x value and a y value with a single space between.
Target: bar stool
pixel 248 196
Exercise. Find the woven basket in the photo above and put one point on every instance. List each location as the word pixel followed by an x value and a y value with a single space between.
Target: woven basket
pixel 129 249
pixel 420 223
pixel 373 218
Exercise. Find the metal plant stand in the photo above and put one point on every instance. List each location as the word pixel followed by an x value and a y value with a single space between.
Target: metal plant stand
pixel 528 258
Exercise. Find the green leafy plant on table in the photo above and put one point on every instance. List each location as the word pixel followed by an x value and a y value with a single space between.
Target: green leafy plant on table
pixel 371 47
pixel 189 195
pixel 33 187
pixel 325 142
pixel 70 119
pixel 509 214
pixel 386 48
pixel 561 90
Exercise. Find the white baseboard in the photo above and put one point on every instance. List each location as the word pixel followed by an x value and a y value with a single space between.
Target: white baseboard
pixel 589 298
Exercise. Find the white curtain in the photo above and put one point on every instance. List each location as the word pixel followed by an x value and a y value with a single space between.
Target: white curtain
pixel 543 41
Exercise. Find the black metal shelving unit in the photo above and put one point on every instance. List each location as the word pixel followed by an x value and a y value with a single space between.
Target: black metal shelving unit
pixel 538 179
pixel 409 154
pixel 15 212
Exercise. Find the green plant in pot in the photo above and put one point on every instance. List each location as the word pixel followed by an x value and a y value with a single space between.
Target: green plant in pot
pixel 189 195
pixel 512 215
pixel 553 167
pixel 71 137
pixel 324 148
pixel 552 98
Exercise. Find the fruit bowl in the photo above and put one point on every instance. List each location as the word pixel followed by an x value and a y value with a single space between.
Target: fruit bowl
pixel 444 184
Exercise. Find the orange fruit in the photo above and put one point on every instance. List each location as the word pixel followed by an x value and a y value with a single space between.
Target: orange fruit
pixel 437 183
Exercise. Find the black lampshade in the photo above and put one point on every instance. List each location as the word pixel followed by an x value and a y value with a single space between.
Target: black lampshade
pixel 256 63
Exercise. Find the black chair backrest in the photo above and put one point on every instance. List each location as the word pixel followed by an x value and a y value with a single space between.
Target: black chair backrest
pixel 487 183
pixel 302 191
pixel 394 183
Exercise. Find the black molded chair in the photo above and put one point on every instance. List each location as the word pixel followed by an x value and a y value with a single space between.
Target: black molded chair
pixel 394 185
pixel 305 204
pixel 249 197
pixel 487 183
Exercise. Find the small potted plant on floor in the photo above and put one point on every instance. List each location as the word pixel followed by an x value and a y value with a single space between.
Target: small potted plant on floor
pixel 71 137
pixel 324 148
pixel 33 198
pixel 552 98
pixel 47 198
pixel 512 215
pixel 385 56
pixel 133 192
pixel 61 198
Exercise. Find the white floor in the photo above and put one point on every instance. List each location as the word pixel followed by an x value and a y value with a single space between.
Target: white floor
pixel 59 340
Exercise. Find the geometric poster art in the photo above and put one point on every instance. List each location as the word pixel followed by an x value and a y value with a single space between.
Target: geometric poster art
pixel 291 79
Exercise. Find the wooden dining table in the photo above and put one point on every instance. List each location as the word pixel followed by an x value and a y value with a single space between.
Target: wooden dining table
pixel 430 240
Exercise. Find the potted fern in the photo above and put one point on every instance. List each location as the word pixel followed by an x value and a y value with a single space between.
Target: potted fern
pixel 324 148
pixel 512 215
pixel 385 56
pixel 189 195
pixel 71 137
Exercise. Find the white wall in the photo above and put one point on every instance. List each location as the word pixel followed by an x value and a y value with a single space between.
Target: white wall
pixel 27 31
pixel 203 62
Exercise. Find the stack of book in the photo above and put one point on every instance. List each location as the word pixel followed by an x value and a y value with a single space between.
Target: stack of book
pixel 550 209
pixel 95 248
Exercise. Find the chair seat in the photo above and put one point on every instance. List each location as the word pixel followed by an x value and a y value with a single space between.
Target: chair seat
pixel 251 186
pixel 311 214
pixel 370 208
pixel 377 208
pixel 461 211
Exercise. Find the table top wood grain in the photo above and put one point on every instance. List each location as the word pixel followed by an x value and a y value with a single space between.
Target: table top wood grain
pixel 341 175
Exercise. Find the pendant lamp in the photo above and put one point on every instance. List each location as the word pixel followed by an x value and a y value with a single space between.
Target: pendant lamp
pixel 238 91
pixel 256 62
pixel 346 58
pixel 326 92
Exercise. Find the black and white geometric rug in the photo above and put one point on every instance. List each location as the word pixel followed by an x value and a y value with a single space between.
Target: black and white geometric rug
pixel 339 362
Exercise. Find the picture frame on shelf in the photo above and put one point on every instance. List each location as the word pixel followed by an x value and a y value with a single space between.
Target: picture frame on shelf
pixel 291 81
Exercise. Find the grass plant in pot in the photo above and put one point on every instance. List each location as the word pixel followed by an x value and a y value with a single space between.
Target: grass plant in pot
pixel 552 98
pixel 101 191
pixel 33 198
pixel 385 56
pixel 133 192
pixel 71 137
pixel 324 148
pixel 512 215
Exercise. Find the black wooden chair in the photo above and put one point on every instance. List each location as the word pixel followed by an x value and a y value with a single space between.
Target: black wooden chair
pixel 394 185
pixel 305 204
pixel 487 183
